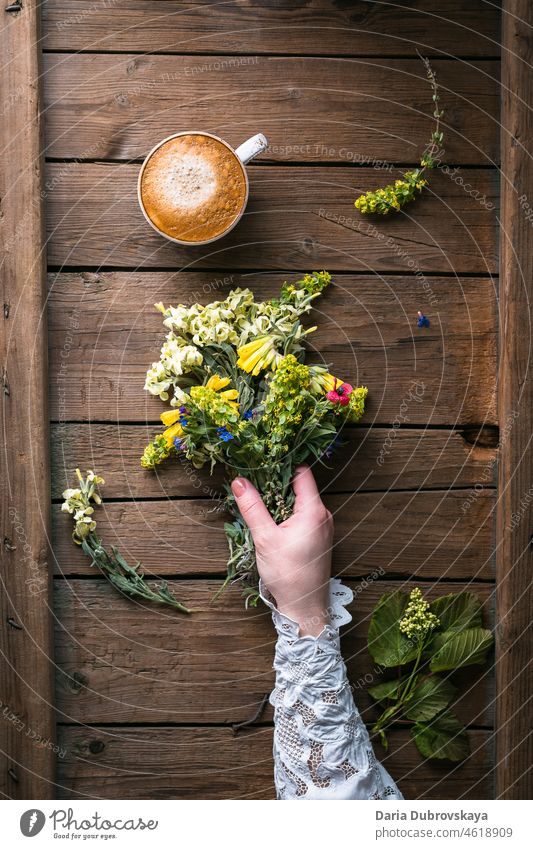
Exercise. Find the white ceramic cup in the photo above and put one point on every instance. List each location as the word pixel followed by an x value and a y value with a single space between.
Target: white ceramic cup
pixel 244 153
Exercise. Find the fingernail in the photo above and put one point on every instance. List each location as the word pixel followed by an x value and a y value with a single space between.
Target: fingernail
pixel 238 486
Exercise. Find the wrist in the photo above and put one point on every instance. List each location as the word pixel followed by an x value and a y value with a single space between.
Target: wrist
pixel 310 620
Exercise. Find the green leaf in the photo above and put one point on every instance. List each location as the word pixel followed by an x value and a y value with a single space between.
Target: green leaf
pixel 457 611
pixel 386 643
pixel 461 649
pixel 383 739
pixel 443 738
pixel 387 689
pixel 429 698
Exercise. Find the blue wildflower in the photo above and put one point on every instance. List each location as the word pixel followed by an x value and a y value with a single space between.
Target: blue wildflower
pixel 224 434
pixel 423 320
pixel 332 447
pixel 183 410
pixel 248 415
pixel 183 421
pixel 178 443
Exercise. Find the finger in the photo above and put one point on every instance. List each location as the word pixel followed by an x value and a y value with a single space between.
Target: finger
pixel 305 489
pixel 252 506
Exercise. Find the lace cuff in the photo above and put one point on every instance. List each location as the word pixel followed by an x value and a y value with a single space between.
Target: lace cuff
pixel 339 597
pixel 321 746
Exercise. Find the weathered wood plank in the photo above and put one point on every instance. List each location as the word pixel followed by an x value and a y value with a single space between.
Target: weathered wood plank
pixel 105 332
pixel 178 763
pixel 514 742
pixel 119 662
pixel 431 534
pixel 371 459
pixel 117 107
pixel 26 690
pixel 94 219
pixel 316 27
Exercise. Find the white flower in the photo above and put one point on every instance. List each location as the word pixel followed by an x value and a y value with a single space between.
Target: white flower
pixel 177 358
pixel 180 397
pixel 71 493
pixel 176 318
pixel 158 381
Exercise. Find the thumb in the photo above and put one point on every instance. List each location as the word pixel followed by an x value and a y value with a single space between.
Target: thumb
pixel 305 490
pixel 252 506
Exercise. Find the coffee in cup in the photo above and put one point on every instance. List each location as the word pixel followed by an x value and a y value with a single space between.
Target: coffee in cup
pixel 193 187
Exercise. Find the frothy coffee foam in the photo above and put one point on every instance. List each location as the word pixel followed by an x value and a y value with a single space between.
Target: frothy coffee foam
pixel 193 188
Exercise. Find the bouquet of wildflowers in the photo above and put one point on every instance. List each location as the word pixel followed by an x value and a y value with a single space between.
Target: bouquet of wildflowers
pixel 240 394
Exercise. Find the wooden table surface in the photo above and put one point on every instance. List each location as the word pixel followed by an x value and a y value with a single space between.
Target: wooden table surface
pixel 146 698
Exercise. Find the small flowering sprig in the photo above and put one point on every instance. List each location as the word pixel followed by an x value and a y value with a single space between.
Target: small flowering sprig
pixel 393 197
pixel 78 503
pixel 125 578
pixel 422 639
pixel 418 620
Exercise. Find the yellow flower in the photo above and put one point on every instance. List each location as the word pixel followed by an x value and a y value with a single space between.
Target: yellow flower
pixel 170 417
pixel 217 383
pixel 258 355
pixel 171 433
pixel 322 381
pixel 329 382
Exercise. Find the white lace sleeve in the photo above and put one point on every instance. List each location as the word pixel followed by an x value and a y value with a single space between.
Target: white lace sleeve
pixel 321 746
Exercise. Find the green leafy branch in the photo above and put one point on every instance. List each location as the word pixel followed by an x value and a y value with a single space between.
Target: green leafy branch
pixel 393 197
pixel 421 640
pixel 125 578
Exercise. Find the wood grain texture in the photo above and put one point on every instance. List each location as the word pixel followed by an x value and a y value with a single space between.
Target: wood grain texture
pixel 342 110
pixel 94 219
pixel 315 27
pixel 178 763
pixel 514 742
pixel 119 662
pixel 26 690
pixel 416 458
pixel 105 332
pixel 430 534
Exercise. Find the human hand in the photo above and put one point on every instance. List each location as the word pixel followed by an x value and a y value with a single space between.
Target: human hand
pixel 293 558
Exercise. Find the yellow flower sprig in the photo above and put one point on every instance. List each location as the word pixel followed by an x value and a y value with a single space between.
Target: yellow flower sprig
pixel 393 197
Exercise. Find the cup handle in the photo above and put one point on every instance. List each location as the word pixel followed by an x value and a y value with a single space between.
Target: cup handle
pixel 250 148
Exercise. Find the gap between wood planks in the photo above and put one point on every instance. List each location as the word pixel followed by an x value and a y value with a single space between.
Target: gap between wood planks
pixel 215 576
pixel 441 57
pixel 267 163
pixel 420 489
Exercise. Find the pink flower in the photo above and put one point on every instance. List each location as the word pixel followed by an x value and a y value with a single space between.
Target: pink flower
pixel 340 395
